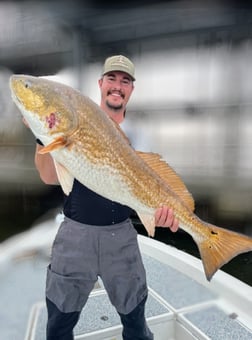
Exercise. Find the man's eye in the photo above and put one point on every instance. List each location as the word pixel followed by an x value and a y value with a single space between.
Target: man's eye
pixel 126 82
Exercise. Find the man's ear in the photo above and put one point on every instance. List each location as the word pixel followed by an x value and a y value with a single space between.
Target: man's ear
pixel 100 82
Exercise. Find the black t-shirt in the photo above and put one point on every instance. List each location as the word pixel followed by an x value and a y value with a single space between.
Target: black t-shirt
pixel 85 206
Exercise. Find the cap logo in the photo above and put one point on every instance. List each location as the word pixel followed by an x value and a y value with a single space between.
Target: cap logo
pixel 119 63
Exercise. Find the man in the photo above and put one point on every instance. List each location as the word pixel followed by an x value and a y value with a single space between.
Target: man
pixel 97 237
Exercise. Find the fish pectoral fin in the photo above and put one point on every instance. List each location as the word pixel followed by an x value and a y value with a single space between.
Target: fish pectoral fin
pixel 148 222
pixel 58 143
pixel 64 177
pixel 168 175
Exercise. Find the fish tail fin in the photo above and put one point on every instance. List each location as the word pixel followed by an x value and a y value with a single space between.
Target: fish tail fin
pixel 220 247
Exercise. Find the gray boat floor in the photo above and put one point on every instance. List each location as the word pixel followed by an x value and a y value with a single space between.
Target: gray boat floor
pixel 178 307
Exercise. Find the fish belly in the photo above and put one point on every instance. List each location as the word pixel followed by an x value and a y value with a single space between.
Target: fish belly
pixel 102 179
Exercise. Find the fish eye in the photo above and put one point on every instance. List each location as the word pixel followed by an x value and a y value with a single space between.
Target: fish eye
pixel 27 84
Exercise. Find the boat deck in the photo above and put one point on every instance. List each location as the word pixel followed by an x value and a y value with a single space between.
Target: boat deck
pixel 177 308
pixel 181 304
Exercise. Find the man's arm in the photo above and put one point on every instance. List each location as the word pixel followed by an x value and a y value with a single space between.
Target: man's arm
pixel 45 166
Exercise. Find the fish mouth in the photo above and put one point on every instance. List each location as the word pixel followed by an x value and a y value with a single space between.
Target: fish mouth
pixel 16 99
pixel 14 96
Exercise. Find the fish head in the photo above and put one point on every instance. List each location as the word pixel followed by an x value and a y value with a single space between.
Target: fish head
pixel 45 106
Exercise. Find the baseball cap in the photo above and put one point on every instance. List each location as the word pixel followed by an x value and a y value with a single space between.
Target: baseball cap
pixel 119 63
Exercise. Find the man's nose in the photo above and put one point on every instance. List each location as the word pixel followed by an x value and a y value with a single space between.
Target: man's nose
pixel 117 84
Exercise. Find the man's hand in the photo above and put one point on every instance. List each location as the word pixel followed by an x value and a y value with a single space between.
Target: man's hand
pixel 164 217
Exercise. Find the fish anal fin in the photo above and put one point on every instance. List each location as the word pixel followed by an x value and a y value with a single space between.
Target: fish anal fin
pixel 149 223
pixel 64 177
pixel 220 247
pixel 57 143
pixel 169 176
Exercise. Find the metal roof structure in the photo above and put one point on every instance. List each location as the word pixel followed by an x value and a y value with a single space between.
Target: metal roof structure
pixel 42 37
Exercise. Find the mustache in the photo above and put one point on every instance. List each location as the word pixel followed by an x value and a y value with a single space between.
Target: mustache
pixel 116 91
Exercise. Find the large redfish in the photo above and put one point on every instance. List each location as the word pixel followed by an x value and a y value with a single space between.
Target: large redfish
pixel 86 144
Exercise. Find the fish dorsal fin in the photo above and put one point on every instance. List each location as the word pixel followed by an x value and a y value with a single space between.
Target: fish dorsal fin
pixel 169 176
pixel 64 177
pixel 57 143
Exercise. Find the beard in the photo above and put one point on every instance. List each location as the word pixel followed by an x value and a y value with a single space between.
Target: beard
pixel 114 106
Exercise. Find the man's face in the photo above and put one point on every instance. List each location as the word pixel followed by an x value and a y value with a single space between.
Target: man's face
pixel 116 88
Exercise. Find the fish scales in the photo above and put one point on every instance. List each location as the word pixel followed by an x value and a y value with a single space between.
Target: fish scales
pixel 120 158
pixel 87 145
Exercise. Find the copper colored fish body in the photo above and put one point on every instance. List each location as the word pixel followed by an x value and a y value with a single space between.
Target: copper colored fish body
pixel 87 145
